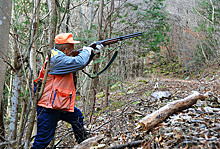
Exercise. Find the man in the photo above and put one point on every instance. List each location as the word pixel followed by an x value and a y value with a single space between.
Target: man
pixel 58 100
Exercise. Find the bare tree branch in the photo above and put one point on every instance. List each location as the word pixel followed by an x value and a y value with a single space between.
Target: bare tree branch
pixel 77 5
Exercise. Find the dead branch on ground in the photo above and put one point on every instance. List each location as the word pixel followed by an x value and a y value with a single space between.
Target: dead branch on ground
pixel 86 144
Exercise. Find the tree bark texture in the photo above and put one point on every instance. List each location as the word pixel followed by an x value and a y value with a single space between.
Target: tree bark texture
pixel 68 16
pixel 82 19
pixel 14 107
pixel 5 17
pixel 53 22
pixel 163 113
pixel 33 54
pixel 107 82
pixel 96 66
pixel 34 109
pixel 91 14
pixel 101 5
pixel 23 111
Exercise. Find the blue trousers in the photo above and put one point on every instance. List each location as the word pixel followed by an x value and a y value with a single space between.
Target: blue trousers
pixel 47 122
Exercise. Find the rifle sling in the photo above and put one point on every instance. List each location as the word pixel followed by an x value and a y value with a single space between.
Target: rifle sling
pixel 107 66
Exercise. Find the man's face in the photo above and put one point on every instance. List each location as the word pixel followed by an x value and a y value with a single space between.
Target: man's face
pixel 69 49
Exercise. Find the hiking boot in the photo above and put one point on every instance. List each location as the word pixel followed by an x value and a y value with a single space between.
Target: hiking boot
pixel 80 135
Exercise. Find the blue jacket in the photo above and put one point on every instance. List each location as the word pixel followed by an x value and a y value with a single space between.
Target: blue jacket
pixel 62 64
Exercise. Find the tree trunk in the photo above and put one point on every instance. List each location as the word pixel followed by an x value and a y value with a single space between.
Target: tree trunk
pixel 108 58
pixel 52 32
pixel 91 14
pixel 96 66
pixel 33 58
pixel 82 20
pixel 101 6
pixel 33 66
pixel 24 106
pixel 53 22
pixel 163 113
pixel 14 106
pixel 68 16
pixel 86 88
pixel 2 127
pixel 33 54
pixel 86 83
pixel 9 93
pixel 5 17
pixel 16 90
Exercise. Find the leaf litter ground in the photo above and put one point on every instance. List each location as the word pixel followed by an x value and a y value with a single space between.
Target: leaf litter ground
pixel 196 127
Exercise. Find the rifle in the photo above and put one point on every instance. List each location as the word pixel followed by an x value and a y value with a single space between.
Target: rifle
pixel 108 42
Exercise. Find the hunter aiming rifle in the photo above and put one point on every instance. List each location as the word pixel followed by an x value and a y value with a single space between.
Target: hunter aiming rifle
pixel 104 43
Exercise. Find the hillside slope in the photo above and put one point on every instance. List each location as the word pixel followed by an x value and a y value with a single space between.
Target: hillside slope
pixel 198 126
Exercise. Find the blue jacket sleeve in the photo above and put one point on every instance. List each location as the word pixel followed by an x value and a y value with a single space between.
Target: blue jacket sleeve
pixel 62 64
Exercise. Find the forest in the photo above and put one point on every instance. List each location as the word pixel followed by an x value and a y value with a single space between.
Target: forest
pixel 162 90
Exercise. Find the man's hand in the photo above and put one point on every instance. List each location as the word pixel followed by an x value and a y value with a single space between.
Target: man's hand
pixel 97 46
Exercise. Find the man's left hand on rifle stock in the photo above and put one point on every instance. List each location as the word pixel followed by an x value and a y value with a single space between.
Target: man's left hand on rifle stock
pixel 97 46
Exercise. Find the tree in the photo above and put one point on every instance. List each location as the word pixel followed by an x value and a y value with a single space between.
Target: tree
pixel 96 66
pixel 32 61
pixel 5 18
pixel 53 22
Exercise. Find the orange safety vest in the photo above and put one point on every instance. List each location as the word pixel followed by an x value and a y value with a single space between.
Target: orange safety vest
pixel 59 92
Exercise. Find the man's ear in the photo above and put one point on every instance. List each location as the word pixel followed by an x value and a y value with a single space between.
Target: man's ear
pixel 64 49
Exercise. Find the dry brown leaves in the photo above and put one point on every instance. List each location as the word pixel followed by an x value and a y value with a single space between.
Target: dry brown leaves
pixel 196 127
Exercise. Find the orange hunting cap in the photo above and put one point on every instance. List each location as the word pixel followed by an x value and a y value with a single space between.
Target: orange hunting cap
pixel 65 38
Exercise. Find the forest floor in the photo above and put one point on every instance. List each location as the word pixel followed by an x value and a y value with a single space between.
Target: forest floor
pixel 195 127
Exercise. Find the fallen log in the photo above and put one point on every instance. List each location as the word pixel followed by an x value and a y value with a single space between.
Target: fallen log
pixel 86 144
pixel 163 113
pixel 129 145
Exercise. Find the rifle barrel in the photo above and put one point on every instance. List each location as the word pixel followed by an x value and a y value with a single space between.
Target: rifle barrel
pixel 116 39
pixel 129 36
